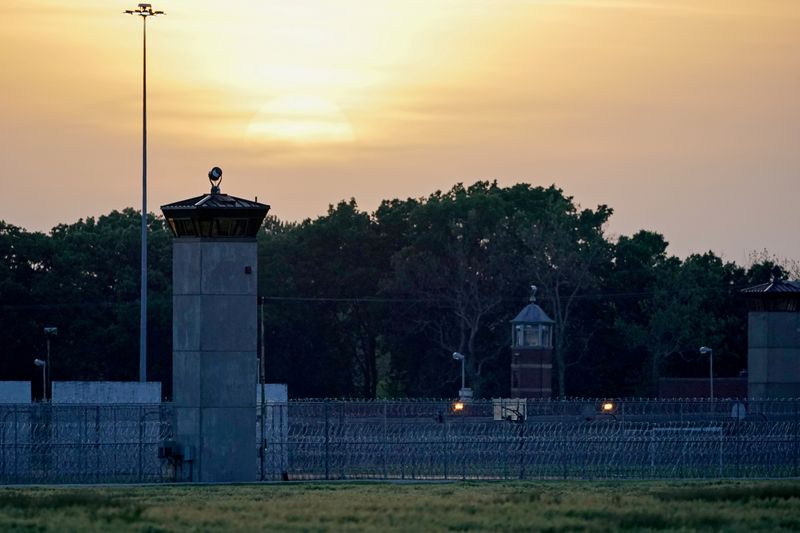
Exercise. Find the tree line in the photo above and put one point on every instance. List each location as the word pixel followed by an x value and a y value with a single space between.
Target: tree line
pixel 359 304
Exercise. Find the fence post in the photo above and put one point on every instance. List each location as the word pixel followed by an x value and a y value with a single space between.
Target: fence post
pixel 98 445
pixel 521 448
pixel 563 449
pixel 114 446
pixel 738 423
pixel 141 445
pixel 16 446
pixel 263 434
pixel 385 444
pixel 796 422
pixel 444 446
pixel 624 445
pixel 327 441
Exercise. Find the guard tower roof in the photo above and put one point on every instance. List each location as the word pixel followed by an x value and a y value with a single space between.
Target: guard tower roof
pixel 215 214
pixel 532 314
pixel 777 295
pixel 774 287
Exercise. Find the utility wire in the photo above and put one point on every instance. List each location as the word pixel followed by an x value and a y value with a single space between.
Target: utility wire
pixel 377 300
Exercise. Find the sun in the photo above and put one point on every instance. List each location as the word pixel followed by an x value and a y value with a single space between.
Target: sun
pixel 301 119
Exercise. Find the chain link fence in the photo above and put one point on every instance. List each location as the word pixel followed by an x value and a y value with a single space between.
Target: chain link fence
pixel 421 439
pixel 541 439
pixel 45 443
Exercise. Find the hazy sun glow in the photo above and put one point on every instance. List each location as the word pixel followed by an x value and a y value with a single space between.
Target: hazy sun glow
pixel 640 104
pixel 301 119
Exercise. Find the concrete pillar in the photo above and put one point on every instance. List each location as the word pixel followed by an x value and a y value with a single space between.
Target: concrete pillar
pixel 773 354
pixel 214 356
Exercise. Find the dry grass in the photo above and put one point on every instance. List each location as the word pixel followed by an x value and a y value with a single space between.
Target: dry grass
pixel 530 506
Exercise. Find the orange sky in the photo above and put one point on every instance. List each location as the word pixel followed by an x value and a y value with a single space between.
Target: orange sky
pixel 683 115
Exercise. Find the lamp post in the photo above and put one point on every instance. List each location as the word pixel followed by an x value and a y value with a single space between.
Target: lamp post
pixel 706 350
pixel 460 357
pixel 144 11
pixel 43 364
pixel 465 394
pixel 49 333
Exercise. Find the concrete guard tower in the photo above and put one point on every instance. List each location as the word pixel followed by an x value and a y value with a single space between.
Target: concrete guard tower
pixel 532 352
pixel 214 332
pixel 773 339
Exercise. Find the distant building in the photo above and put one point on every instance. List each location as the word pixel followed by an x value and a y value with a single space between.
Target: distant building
pixel 773 339
pixel 532 352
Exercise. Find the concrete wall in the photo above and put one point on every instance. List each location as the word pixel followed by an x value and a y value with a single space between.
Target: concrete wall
pixel 773 355
pixel 106 392
pixel 214 356
pixel 273 393
pixel 15 392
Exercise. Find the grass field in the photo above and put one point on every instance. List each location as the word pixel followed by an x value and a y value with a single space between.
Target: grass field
pixel 538 506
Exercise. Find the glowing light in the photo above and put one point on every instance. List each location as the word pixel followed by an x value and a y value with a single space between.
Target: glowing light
pixel 458 406
pixel 301 118
pixel 608 407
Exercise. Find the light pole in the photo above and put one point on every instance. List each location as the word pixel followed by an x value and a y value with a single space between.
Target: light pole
pixel 49 333
pixel 706 350
pixel 144 11
pixel 460 357
pixel 465 394
pixel 39 362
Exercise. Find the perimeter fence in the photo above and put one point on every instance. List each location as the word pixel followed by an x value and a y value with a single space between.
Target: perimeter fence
pixel 540 439
pixel 422 439
pixel 46 443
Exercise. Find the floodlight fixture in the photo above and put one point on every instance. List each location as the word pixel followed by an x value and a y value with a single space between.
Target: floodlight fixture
pixel 458 356
pixel 215 177
pixel 144 11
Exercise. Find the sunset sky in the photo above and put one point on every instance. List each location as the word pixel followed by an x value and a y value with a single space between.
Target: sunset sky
pixel 683 115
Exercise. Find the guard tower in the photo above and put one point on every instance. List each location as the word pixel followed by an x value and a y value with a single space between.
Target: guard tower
pixel 532 352
pixel 773 338
pixel 214 285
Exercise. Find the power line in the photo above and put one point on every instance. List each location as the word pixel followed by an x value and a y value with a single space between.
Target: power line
pixel 379 300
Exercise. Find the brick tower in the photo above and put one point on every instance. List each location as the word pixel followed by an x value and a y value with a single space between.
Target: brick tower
pixel 531 352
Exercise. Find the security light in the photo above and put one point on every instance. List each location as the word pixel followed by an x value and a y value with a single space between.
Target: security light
pixel 39 362
pixel 458 356
pixel 215 177
pixel 706 350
